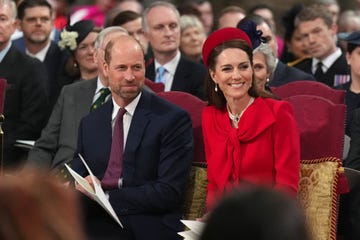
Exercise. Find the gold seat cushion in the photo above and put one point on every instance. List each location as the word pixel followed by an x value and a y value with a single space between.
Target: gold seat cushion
pixel 318 195
pixel 195 199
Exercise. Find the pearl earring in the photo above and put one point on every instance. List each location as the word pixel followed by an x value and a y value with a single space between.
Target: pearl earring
pixel 216 87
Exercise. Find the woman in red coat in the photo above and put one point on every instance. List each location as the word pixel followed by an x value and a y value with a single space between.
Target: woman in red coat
pixel 249 137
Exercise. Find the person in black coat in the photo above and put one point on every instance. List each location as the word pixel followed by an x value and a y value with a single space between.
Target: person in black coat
pixel 26 99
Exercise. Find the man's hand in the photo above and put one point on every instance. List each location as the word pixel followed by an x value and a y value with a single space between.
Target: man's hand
pixel 89 180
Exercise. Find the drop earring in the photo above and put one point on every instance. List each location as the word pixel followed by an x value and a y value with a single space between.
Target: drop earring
pixel 216 87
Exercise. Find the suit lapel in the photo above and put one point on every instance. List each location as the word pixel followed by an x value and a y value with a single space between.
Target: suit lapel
pixel 150 71
pixel 139 122
pixel 84 98
pixel 279 72
pixel 181 74
pixel 7 64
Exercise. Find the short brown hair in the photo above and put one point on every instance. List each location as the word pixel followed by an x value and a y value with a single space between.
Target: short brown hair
pixel 313 12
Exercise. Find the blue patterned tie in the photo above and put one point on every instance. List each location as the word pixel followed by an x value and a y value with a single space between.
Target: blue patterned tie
pixel 160 77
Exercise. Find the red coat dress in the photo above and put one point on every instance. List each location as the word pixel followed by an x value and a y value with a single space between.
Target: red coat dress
pixel 264 149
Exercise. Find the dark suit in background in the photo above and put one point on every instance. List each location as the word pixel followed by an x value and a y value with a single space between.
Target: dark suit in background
pixel 26 102
pixel 349 211
pixel 54 62
pixel 189 77
pixel 284 74
pixel 339 67
pixel 58 140
pixel 156 162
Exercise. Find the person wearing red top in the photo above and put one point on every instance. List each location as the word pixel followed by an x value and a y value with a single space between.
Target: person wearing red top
pixel 249 137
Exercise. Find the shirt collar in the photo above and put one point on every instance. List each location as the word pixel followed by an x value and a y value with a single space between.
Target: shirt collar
pixel 171 65
pixel 328 61
pixel 99 85
pixel 41 54
pixel 5 51
pixel 130 108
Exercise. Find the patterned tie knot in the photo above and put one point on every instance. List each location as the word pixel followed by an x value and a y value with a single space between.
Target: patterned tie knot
pixel 104 92
pixel 160 74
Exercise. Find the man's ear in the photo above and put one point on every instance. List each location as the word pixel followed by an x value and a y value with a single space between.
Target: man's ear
pixel 105 69
pixel 17 24
pixel 334 28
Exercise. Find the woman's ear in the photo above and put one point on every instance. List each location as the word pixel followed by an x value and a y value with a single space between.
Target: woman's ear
pixel 212 75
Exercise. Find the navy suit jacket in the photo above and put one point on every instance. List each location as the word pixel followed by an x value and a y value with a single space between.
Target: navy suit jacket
pixel 189 77
pixel 156 163
pixel 54 62
pixel 284 74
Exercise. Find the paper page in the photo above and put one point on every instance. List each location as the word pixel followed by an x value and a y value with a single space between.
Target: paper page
pixel 102 198
pixel 189 235
pixel 24 144
pixel 80 180
pixel 97 192
pixel 195 226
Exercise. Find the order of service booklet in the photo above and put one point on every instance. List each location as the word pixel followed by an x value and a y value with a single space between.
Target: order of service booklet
pixel 195 229
pixel 95 192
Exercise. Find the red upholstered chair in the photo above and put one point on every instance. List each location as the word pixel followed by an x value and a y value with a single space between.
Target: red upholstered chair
pixel 156 87
pixel 337 96
pixel 2 99
pixel 321 124
pixel 194 107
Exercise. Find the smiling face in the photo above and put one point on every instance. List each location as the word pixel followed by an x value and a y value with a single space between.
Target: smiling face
pixel 125 69
pixel 84 54
pixel 233 73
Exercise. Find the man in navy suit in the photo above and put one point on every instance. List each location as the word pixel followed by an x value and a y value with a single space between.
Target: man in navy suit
pixel 156 160
pixel 36 22
pixel 161 24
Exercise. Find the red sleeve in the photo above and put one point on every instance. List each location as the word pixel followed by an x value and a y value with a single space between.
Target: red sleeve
pixel 286 149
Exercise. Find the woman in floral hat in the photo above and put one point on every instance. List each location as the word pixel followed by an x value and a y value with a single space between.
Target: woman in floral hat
pixel 79 40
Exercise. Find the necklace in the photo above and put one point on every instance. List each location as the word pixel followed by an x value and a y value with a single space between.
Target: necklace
pixel 235 118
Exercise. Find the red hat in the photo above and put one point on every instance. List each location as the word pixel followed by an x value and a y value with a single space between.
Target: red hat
pixel 219 36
